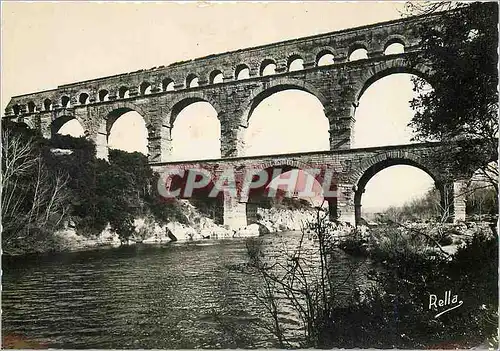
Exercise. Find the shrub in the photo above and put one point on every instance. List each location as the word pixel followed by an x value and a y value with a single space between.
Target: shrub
pixel 391 243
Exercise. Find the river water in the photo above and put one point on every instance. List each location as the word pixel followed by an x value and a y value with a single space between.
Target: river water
pixel 179 295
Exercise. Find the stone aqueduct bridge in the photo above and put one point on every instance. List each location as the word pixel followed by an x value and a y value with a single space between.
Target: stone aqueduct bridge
pixel 160 93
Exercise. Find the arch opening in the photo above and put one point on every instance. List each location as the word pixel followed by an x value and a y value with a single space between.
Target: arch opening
pixel 394 47
pixel 83 99
pixel 286 120
pixel 67 125
pixel 216 77
pixel 145 88
pixel 325 58
pixel 47 105
pixel 286 188
pixel 481 196
pixel 167 84
pixel 295 63
pixel 384 112
pixel 242 72
pixel 65 101
pixel 268 67
pixel 195 131
pixel 358 54
pixel 123 93
pixel 103 95
pixel 16 109
pixel 302 186
pixel 192 81
pixel 126 130
pixel 398 189
pixel 31 107
pixel 212 207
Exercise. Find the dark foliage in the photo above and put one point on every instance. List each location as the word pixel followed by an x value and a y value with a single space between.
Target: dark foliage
pixel 393 310
pixel 97 193
pixel 210 207
pixel 163 210
pixel 483 202
pixel 460 49
pixel 282 201
pixel 396 312
pixel 34 199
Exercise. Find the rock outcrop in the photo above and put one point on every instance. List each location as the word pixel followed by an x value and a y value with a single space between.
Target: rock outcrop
pixel 277 220
pixel 200 227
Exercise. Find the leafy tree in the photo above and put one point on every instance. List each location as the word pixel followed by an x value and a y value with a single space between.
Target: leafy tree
pixel 425 208
pixel 136 167
pixel 34 199
pixel 483 202
pixel 48 181
pixel 460 48
pixel 82 168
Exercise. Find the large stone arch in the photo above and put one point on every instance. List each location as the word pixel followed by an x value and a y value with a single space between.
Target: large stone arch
pixel 275 85
pixel 391 158
pixel 59 122
pixel 361 79
pixel 319 51
pixel 369 167
pixel 259 94
pixel 108 116
pixel 242 211
pixel 381 69
pixel 113 111
pixel 175 106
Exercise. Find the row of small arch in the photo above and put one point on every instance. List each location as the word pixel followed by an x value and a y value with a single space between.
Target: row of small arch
pixel 242 71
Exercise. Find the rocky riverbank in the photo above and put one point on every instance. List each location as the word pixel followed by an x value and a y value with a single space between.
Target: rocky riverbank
pixel 200 227
pixel 386 241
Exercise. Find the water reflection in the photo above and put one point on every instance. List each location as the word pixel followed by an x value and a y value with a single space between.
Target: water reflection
pixel 182 295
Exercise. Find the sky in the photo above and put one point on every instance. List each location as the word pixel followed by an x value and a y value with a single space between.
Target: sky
pixel 50 44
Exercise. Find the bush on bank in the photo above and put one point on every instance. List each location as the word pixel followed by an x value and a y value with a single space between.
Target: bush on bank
pixel 396 313
pixel 393 309
pixel 407 281
pixel 90 193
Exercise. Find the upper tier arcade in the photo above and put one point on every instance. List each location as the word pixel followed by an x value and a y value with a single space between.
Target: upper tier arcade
pixel 335 67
